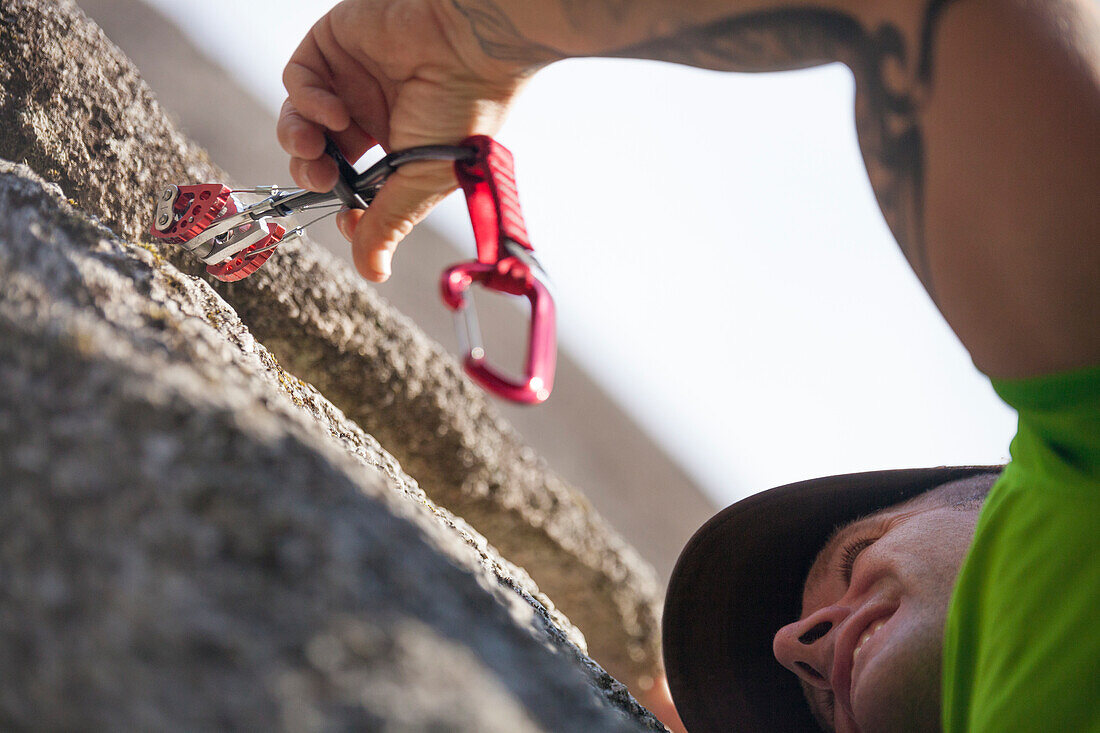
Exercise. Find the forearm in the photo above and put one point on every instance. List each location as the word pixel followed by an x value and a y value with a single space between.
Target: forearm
pixel 726 35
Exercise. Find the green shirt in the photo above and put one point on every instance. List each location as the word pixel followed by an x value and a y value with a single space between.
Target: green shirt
pixel 1022 644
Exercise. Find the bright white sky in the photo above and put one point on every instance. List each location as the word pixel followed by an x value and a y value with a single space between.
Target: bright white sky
pixel 719 262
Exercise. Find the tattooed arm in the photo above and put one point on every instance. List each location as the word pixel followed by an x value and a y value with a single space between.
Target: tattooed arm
pixel 978 121
pixel 775 36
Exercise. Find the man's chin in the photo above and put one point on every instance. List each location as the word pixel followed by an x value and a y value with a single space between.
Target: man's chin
pixel 898 706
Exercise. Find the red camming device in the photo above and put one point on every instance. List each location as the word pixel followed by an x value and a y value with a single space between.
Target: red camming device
pixel 234 240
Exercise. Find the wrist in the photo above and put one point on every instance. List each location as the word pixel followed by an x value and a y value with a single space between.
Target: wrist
pixel 485 36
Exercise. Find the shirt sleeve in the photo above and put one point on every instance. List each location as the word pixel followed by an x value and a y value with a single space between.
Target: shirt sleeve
pixel 1022 643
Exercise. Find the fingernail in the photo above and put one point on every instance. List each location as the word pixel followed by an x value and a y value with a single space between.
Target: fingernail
pixel 308 176
pixel 380 262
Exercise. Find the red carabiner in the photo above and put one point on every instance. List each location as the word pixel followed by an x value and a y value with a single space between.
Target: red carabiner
pixel 504 264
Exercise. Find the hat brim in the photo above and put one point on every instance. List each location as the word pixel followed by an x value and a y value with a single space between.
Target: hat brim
pixel 739 580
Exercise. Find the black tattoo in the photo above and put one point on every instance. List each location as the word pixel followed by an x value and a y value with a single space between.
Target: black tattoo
pixel 890 84
pixel 932 17
pixel 498 36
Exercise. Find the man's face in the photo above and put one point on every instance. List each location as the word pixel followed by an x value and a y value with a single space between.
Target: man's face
pixel 867 647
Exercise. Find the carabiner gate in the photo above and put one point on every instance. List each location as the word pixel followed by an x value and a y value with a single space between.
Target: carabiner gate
pixel 512 276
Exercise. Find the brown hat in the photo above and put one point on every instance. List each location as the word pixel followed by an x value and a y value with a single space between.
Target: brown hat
pixel 739 580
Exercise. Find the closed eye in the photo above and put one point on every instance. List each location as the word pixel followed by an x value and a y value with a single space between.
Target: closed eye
pixel 850 553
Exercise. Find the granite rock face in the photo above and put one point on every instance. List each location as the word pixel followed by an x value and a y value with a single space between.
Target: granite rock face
pixel 193 539
pixel 76 111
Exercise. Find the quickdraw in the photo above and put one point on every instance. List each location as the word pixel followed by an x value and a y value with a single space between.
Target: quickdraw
pixel 234 240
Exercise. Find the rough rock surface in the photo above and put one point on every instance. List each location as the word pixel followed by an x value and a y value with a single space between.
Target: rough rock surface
pixel 192 539
pixel 76 111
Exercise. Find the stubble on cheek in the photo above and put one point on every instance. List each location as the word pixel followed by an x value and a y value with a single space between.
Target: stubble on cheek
pixel 898 690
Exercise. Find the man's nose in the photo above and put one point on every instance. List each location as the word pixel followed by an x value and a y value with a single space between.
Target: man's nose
pixel 806 646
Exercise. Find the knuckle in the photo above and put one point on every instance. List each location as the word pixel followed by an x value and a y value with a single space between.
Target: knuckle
pixel 289 79
pixel 395 225
pixel 294 77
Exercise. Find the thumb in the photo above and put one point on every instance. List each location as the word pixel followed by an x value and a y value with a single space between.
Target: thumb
pixel 402 203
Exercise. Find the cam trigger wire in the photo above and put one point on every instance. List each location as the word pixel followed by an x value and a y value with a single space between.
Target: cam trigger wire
pixel 302 227
pixel 310 207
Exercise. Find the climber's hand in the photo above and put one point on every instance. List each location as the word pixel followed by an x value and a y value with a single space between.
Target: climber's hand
pixel 399 73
